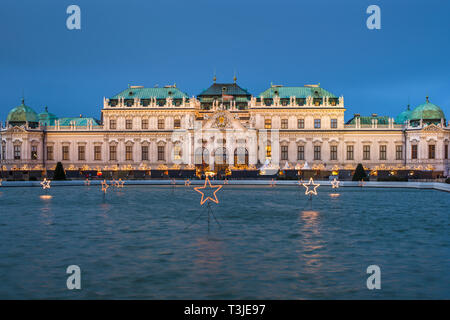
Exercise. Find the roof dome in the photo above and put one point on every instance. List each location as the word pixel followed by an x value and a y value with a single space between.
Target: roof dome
pixel 22 114
pixel 427 111
pixel 403 116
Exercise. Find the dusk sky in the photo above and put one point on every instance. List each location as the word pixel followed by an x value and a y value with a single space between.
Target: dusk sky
pixel 164 42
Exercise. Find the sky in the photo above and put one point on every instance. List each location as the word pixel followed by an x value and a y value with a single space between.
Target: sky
pixel 160 42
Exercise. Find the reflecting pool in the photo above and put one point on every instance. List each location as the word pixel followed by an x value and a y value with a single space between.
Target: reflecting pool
pixel 152 242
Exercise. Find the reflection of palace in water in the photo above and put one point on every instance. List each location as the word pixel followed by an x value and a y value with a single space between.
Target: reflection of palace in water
pixel 225 128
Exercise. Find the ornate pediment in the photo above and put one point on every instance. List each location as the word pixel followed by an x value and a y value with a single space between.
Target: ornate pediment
pixel 223 120
pixel 16 129
pixel 432 128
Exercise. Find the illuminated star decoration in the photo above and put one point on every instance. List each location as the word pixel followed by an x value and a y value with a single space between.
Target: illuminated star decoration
pixel 225 181
pixel 204 199
pixel 311 187
pixel 45 184
pixel 335 183
pixel 187 182
pixel 120 183
pixel 105 186
pixel 115 183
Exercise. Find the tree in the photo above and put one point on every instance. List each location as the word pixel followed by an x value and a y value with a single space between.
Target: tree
pixel 59 172
pixel 360 173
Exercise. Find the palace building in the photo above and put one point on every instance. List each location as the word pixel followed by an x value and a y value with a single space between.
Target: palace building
pixel 226 129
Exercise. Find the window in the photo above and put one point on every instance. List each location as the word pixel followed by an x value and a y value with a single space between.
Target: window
pixel 112 153
pixel 316 123
pixel 284 123
pixel 399 152
pixel 177 152
pixel 177 123
pixel 144 124
pixel 366 152
pixel 128 153
pixel 349 152
pixel 446 151
pixel 300 153
pixel 317 153
pixel 112 124
pixel 97 153
pixel 161 123
pixel 284 152
pixel 81 153
pixel 144 150
pixel 268 151
pixel 333 152
pixel 16 152
pixel 3 151
pixel 161 153
pixel 49 152
pixel 333 123
pixel 301 123
pixel 431 151
pixel 128 124
pixel 383 152
pixel 65 152
pixel 414 151
pixel 268 123
pixel 34 154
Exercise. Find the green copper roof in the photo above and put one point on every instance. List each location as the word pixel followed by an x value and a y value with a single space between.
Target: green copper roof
pixel 298 92
pixel 46 118
pixel 368 120
pixel 403 116
pixel 147 93
pixel 217 89
pixel 427 111
pixel 79 122
pixel 21 114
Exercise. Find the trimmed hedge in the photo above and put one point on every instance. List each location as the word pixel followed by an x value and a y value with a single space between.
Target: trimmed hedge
pixel 360 173
pixel 59 172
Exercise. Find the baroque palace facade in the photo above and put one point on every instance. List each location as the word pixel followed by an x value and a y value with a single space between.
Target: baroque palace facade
pixel 224 129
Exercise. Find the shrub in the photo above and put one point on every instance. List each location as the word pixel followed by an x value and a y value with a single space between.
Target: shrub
pixel 359 174
pixel 59 172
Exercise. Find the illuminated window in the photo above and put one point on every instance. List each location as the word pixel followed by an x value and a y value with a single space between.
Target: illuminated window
pixel 284 123
pixel 177 123
pixel 383 152
pixel 333 152
pixel 268 151
pixel 268 123
pixel 34 154
pixel 177 152
pixel 446 151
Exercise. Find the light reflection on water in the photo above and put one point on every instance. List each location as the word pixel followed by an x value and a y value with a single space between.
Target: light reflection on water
pixel 274 243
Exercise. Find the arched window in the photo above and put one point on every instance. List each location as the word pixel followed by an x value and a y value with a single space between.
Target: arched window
pixel 220 156
pixel 201 156
pixel 240 156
